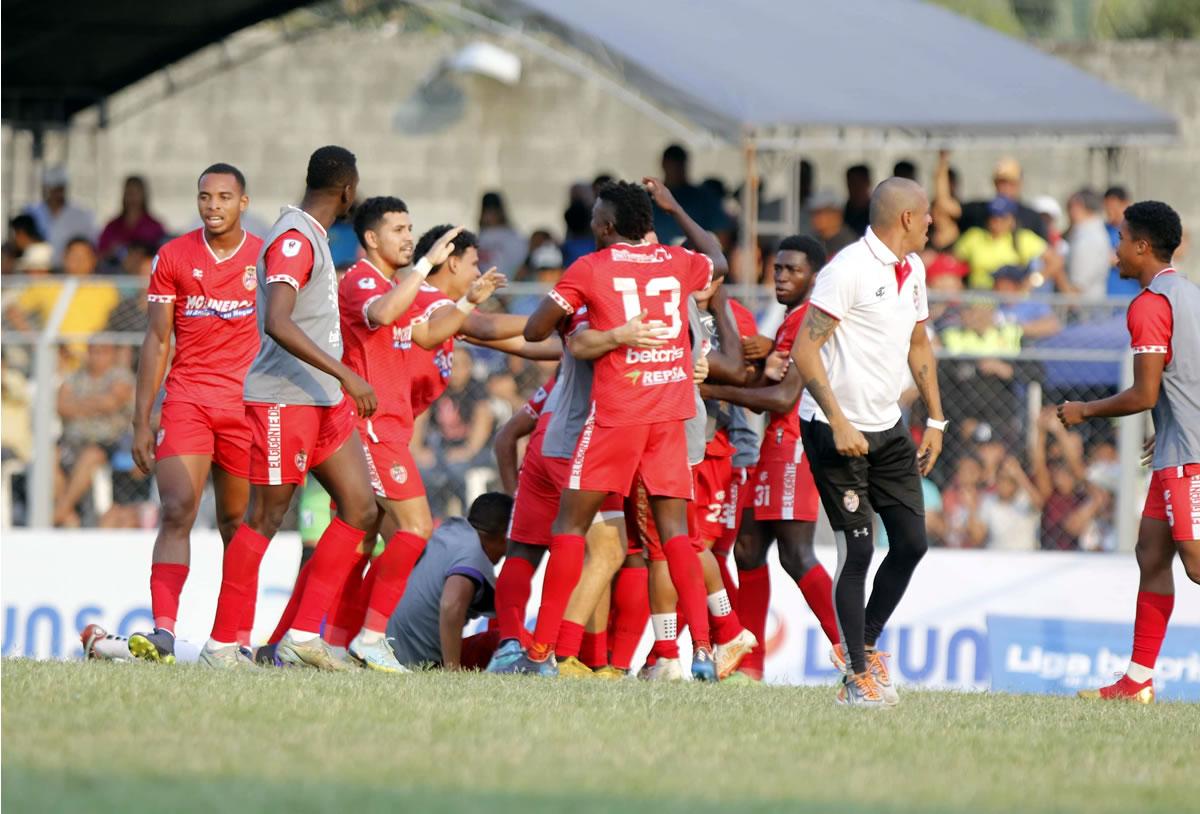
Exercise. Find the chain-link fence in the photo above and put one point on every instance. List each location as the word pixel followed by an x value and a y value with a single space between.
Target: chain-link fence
pixel 1010 475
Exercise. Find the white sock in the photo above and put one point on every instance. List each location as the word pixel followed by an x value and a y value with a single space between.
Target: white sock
pixel 370 636
pixel 186 652
pixel 1139 673
pixel 213 645
pixel 718 603
pixel 665 627
pixel 301 635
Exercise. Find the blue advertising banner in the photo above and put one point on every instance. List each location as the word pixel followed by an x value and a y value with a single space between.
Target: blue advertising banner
pixel 1061 656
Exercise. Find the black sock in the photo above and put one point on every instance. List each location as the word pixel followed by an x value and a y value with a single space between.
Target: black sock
pixel 906 546
pixel 855 546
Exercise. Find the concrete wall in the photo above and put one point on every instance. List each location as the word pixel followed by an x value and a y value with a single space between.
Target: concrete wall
pixel 345 86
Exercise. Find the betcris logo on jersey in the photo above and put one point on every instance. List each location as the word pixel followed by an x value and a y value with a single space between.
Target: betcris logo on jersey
pixel 198 305
pixel 650 356
pixel 1062 656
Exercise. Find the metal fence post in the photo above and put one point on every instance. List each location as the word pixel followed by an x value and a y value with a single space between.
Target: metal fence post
pixel 1129 444
pixel 45 361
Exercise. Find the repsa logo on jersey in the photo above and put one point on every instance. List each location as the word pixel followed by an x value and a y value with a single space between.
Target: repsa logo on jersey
pixel 198 305
pixel 650 378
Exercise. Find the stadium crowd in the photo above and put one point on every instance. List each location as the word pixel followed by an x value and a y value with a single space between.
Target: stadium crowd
pixel 1008 479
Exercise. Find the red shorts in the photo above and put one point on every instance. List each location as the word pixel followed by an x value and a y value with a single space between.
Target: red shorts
pixel 1174 497
pixel 287 440
pixel 738 498
pixel 535 504
pixel 221 434
pixel 608 458
pixel 785 491
pixel 394 473
pixel 641 529
pixel 711 479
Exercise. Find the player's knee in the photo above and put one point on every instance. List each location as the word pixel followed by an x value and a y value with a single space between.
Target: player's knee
pixel 1154 558
pixel 748 554
pixel 178 510
pixel 797 560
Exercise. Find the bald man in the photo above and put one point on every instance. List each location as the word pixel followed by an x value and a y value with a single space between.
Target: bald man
pixel 864 324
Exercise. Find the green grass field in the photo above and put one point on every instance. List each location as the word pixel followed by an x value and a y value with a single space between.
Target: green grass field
pixel 128 737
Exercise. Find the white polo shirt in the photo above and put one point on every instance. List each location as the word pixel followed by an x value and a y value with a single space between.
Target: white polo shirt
pixel 866 357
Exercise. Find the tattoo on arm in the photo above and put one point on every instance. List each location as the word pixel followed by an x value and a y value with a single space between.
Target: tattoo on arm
pixel 820 325
pixel 824 396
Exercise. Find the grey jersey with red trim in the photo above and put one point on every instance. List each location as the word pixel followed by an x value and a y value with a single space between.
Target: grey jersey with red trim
pixel 703 331
pixel 1177 413
pixel 276 376
pixel 572 404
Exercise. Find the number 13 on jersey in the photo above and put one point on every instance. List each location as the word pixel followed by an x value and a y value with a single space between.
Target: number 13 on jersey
pixel 665 288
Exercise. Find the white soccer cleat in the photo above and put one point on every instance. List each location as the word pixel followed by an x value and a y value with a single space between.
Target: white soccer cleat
pixel 666 670
pixel 729 655
pixel 377 655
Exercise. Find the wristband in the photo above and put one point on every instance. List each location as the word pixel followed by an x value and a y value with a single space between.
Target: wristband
pixel 423 267
pixel 465 305
pixel 934 424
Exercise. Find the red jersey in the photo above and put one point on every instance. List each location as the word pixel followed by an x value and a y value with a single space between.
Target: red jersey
pixel 376 352
pixel 720 445
pixel 535 408
pixel 781 441
pixel 1150 323
pixel 630 386
pixel 216 335
pixel 428 370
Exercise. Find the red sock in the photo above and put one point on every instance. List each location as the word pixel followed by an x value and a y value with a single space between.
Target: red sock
pixel 336 553
pixel 246 626
pixel 1150 626
pixel 166 583
pixel 562 575
pixel 726 626
pixel 394 566
pixel 631 614
pixel 289 612
pixel 817 588
pixel 594 650
pixel 688 579
pixel 513 587
pixel 347 612
pixel 754 599
pixel 239 568
pixel 570 640
pixel 664 648
pixel 731 587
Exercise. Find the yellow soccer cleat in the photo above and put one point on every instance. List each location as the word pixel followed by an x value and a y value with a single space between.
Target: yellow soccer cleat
pixel 1122 690
pixel 574 668
pixel 609 673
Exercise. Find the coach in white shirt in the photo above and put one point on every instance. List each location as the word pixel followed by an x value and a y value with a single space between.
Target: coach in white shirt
pixel 863 326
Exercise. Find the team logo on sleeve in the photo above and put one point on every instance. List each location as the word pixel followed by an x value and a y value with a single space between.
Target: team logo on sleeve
pixel 917 297
pixel 850 500
pixel 250 278
pixel 301 460
pixel 290 247
pixel 367 283
pixel 399 474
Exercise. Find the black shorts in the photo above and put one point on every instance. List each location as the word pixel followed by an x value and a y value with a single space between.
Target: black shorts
pixel 854 489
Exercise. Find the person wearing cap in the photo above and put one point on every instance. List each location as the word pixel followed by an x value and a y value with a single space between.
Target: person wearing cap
pixel 1035 318
pixel 1051 213
pixel 1002 243
pixel 828 222
pixel 58 220
pixel 1006 178
pixel 1091 254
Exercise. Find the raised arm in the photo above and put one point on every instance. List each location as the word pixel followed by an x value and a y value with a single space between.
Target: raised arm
pixel 152 367
pixel 450 320
pixel 705 242
pixel 726 365
pixel 923 366
pixel 818 326
pixel 395 303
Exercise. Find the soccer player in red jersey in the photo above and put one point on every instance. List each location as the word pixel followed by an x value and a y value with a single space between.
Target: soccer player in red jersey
pixel 202 290
pixel 641 399
pixel 1165 336
pixel 785 497
pixel 301 402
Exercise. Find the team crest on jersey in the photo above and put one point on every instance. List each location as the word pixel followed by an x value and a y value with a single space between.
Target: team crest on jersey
pixel 250 278
pixel 762 476
pixel 850 500
pixel 399 474
pixel 367 283
pixel 198 274
pixel 161 435
pixel 291 247
pixel 301 460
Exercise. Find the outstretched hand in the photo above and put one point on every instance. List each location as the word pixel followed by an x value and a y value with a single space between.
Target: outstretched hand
pixel 485 286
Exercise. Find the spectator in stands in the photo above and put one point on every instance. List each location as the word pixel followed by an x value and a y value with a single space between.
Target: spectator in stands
pixel 905 168
pixel 132 314
pixel 96 406
pixel 23 232
pixel 981 383
pixel 453 436
pixel 857 212
pixel 59 221
pixel 133 224
pixel 945 208
pixel 1011 512
pixel 1051 213
pixel 1091 254
pixel 544 266
pixel 1036 318
pixel 1115 201
pixel 1059 474
pixel 1003 243
pixel 1103 480
pixel 1006 179
pixel 500 245
pixel 960 506
pixel 579 240
pixel 16 426
pixel 701 203
pixel 826 213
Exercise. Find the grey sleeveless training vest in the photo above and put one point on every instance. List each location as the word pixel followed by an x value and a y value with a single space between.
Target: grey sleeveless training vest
pixel 1177 413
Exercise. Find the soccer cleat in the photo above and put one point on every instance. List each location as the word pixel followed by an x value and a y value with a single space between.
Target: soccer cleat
pixel 573 668
pixel 663 670
pixel 265 656
pixel 507 653
pixel 876 666
pixel 1123 689
pixel 860 690
pixel 527 666
pixel 377 655
pixel 158 647
pixel 740 679
pixel 729 655
pixel 100 645
pixel 88 638
pixel 610 673
pixel 229 657
pixel 311 653
pixel 704 666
